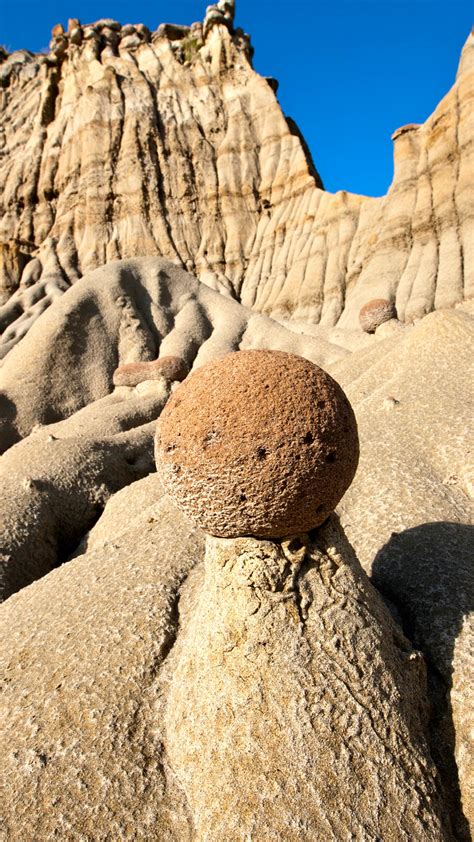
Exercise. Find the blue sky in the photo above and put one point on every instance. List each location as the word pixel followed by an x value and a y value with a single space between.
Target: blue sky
pixel 350 71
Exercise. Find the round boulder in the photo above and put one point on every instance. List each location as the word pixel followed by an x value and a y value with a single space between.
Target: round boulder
pixel 257 443
pixel 375 313
pixel 131 374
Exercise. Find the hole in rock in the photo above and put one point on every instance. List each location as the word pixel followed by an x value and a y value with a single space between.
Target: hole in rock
pixel 261 453
pixel 331 457
pixel 308 438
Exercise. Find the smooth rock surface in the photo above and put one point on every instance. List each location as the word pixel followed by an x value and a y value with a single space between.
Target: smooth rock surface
pixel 257 443
pixel 415 534
pixel 127 312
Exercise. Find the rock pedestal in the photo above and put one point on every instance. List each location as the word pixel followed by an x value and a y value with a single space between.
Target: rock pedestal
pixel 296 708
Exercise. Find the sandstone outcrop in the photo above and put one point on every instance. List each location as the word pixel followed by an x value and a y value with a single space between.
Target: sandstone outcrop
pixel 147 691
pixel 131 374
pixel 257 443
pixel 83 751
pixel 412 396
pixel 292 649
pixel 124 143
pixel 295 698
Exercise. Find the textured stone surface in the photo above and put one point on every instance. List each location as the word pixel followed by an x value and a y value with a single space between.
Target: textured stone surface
pixel 257 443
pixel 131 374
pixel 270 693
pixel 126 312
pixel 375 313
pixel 122 142
pixel 413 480
pixel 83 753
pixel 201 167
pixel 295 698
pixel 408 513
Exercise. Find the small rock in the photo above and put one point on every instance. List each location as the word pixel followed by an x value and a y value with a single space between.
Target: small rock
pixel 375 313
pixel 169 368
pixel 76 36
pixel 108 23
pixel 131 41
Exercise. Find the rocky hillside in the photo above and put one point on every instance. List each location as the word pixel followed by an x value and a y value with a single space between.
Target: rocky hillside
pixel 122 143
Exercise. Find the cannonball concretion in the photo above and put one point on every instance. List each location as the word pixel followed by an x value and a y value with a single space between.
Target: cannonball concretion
pixel 259 443
pixel 375 313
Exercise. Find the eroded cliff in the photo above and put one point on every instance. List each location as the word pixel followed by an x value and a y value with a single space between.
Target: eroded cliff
pixel 125 143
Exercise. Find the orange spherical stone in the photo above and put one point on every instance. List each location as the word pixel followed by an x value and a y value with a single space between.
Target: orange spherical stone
pixel 257 443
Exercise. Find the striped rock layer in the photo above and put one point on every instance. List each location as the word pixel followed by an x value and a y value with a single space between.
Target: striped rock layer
pixel 124 143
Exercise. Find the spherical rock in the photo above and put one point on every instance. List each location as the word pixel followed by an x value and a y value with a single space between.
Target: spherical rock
pixel 169 368
pixel 375 313
pixel 257 443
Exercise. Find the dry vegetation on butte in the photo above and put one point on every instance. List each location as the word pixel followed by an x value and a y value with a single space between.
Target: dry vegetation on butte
pixel 157 212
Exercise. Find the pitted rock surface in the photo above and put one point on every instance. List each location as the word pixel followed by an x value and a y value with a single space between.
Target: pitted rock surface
pixel 375 313
pixel 131 374
pixel 257 443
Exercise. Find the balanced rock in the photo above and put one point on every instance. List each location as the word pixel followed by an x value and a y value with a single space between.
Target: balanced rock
pixel 131 374
pixel 257 443
pixel 375 313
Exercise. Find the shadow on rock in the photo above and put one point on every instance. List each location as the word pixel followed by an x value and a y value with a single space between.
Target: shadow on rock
pixel 427 573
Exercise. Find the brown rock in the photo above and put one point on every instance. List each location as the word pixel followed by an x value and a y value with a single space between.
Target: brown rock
pixel 375 313
pixel 257 443
pixel 131 374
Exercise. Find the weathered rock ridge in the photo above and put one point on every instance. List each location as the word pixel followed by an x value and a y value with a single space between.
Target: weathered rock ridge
pixel 122 143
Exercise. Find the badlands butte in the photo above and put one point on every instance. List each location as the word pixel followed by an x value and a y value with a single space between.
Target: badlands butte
pixel 253 681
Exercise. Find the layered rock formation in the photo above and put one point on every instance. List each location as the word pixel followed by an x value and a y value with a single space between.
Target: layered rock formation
pixel 266 689
pixel 123 142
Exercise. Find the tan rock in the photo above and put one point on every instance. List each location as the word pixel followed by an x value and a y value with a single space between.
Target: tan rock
pixel 296 708
pixel 257 443
pixel 308 709
pixel 13 259
pixel 53 374
pixel 230 195
pixel 83 750
pixel 410 528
